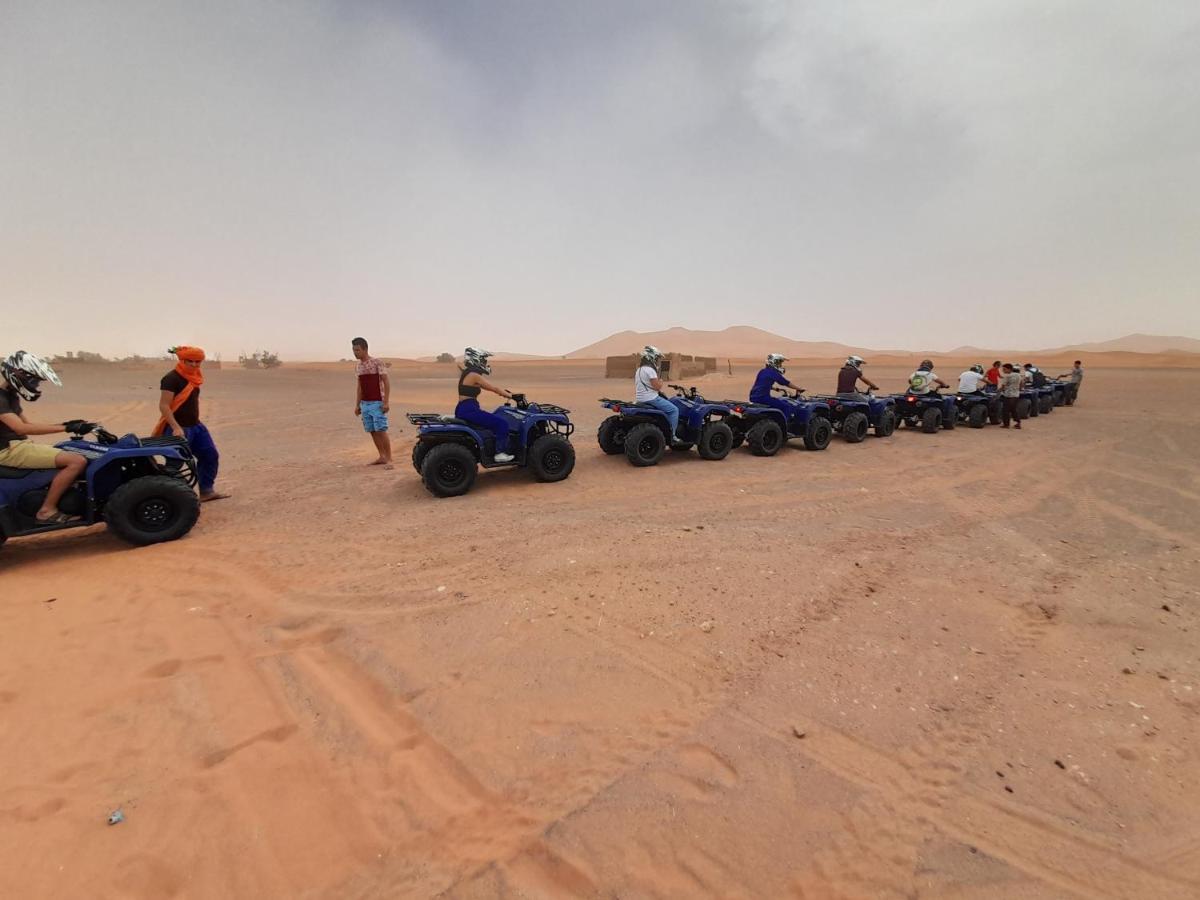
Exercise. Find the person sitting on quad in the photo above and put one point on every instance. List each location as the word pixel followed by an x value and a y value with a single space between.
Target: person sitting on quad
pixel 924 381
pixel 1036 376
pixel 470 383
pixel 768 377
pixel 647 388
pixel 993 375
pixel 972 380
pixel 21 377
pixel 848 377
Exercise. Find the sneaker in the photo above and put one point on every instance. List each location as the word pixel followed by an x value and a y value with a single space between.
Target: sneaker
pixel 503 458
pixel 1005 425
pixel 1018 425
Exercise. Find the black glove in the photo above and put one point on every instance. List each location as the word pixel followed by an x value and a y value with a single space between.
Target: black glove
pixel 79 427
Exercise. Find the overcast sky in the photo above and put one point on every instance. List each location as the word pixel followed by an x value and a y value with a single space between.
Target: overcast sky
pixel 532 176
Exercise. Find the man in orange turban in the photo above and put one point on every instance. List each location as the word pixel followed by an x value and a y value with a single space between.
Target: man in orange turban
pixel 179 404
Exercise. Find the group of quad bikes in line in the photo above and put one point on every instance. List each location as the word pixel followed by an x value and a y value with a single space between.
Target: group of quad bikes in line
pixel 144 488
pixel 449 451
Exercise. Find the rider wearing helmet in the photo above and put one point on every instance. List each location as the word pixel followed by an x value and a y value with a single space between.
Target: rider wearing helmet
pixel 21 377
pixel 475 366
pixel 769 377
pixel 647 388
pixel 972 380
pixel 848 377
pixel 924 380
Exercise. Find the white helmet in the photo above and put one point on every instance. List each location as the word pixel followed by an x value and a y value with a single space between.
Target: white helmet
pixel 856 361
pixel 26 372
pixel 651 354
pixel 477 359
pixel 776 361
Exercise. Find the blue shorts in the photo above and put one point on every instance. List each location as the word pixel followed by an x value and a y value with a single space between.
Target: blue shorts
pixel 373 416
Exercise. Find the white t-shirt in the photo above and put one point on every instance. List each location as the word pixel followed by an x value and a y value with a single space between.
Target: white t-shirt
pixel 969 382
pixel 642 391
pixel 921 381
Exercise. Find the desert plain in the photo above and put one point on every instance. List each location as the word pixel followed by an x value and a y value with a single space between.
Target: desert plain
pixel 962 665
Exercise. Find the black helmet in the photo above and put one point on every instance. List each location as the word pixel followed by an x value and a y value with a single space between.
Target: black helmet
pixel 26 372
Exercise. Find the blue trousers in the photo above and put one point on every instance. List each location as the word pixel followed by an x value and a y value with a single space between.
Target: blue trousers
pixel 469 411
pixel 208 460
pixel 670 409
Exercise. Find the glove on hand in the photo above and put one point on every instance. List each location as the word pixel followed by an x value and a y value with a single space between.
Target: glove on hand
pixel 79 427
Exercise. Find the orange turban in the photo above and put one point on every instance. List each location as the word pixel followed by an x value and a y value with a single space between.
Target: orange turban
pixel 192 354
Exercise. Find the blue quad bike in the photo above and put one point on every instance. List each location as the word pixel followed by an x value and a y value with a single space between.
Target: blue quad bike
pixel 765 429
pixel 929 412
pixel 978 409
pixel 449 451
pixel 641 432
pixel 1030 403
pixel 142 488
pixel 1064 392
pixel 854 417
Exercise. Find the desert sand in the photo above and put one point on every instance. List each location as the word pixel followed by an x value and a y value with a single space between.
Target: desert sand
pixel 960 665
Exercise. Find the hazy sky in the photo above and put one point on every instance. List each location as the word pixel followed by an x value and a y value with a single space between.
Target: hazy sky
pixel 535 175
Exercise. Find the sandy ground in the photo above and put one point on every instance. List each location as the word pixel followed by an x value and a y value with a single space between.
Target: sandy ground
pixel 961 665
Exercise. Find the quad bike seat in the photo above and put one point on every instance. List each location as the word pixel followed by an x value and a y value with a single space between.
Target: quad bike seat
pixel 14 472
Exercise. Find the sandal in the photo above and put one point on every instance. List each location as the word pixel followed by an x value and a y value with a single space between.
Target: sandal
pixel 56 518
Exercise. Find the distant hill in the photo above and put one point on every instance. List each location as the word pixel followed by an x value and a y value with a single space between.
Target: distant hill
pixel 738 341
pixel 1135 343
pixel 500 356
pixel 748 342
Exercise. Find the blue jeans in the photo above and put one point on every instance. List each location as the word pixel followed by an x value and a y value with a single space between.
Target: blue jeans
pixel 208 460
pixel 469 411
pixel 670 409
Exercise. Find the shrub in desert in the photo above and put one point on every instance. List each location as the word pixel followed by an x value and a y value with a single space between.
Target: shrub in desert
pixel 445 357
pixel 260 359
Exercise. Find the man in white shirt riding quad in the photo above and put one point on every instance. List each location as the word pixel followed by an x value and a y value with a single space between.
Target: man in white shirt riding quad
pixel 972 381
pixel 647 388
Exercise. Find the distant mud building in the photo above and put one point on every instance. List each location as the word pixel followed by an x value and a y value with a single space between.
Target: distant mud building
pixel 673 365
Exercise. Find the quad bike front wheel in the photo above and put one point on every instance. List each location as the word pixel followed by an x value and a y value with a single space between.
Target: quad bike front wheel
pixel 818 433
pixel 886 424
pixel 448 470
pixel 645 445
pixel 716 440
pixel 931 420
pixel 152 509
pixel 551 457
pixel 978 416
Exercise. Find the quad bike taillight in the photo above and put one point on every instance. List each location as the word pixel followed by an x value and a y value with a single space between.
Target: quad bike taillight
pixel 616 407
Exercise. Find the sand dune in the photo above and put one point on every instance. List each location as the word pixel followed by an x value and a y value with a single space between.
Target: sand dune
pixel 746 342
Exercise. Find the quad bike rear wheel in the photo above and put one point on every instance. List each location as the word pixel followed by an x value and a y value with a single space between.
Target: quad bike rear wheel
pixel 886 424
pixel 855 427
pixel 611 435
pixel 448 470
pixel 716 440
pixel 420 448
pixel 551 457
pixel 1046 404
pixel 977 416
pixel 996 411
pixel 931 420
pixel 818 433
pixel 645 444
pixel 152 509
pixel 765 438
